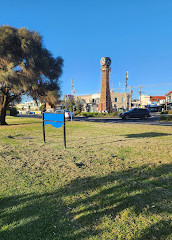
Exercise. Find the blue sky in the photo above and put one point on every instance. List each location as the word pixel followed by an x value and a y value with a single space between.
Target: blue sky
pixel 135 34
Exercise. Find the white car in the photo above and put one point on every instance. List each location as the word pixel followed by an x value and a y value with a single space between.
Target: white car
pixel 67 113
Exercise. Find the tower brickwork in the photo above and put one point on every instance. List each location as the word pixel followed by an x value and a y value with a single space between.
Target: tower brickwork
pixel 105 104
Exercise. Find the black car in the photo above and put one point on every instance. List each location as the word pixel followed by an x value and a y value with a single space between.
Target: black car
pixel 136 113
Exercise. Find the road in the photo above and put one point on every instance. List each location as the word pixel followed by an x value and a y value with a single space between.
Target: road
pixel 153 120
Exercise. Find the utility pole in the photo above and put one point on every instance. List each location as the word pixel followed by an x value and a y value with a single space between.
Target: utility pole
pixel 140 93
pixel 72 86
pixel 131 92
pixel 126 78
pixel 119 87
pixel 73 91
pixel 65 100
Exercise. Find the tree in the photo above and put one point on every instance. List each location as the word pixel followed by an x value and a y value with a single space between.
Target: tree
pixel 42 107
pixel 69 105
pixel 79 105
pixel 26 67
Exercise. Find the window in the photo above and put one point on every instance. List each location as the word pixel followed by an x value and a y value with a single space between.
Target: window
pixel 116 99
pixel 122 99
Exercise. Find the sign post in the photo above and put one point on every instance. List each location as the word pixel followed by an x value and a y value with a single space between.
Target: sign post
pixel 57 120
pixel 64 130
pixel 43 127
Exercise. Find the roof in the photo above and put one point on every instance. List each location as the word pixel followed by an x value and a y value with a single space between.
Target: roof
pixel 170 92
pixel 157 97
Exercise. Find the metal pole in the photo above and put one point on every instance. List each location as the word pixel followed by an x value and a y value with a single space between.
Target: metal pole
pixel 72 99
pixel 71 112
pixel 140 92
pixel 126 78
pixel 43 126
pixel 64 130
pixel 65 101
pixel 125 96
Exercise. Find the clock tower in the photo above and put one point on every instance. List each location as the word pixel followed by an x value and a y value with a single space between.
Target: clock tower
pixel 105 104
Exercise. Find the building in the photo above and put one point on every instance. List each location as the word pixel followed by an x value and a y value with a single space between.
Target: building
pixel 168 97
pixel 29 106
pixel 120 101
pixel 145 100
pixel 157 100
pixel 91 102
pixel 168 100
pixel 49 108
pixel 135 103
pixel 152 100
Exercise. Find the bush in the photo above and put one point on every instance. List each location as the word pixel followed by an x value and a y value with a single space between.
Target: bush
pixel 96 114
pixel 13 112
pixel 77 113
pixel 166 118
pixel 164 112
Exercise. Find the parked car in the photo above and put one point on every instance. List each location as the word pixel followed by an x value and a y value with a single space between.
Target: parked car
pixel 136 113
pixel 28 112
pixel 67 113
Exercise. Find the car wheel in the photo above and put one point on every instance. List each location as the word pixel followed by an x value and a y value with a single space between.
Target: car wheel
pixel 127 117
pixel 146 117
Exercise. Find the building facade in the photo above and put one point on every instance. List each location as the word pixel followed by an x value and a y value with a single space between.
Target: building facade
pixel 152 100
pixel 168 97
pixel 168 101
pixel 29 106
pixel 91 102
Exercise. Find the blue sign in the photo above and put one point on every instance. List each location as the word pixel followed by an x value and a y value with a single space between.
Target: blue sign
pixel 56 120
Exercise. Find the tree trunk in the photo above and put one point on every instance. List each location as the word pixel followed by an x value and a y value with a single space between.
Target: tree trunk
pixel 3 108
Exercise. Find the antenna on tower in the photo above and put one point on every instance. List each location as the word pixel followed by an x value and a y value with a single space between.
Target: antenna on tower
pixel 73 90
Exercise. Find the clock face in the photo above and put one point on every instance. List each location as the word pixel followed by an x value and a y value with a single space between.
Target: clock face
pixel 105 61
pixel 108 62
pixel 102 61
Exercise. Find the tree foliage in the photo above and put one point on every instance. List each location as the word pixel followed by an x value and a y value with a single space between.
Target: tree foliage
pixel 79 105
pixel 26 67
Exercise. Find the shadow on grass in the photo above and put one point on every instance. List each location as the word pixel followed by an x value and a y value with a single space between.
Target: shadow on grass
pixel 158 230
pixel 73 211
pixel 147 135
pixel 91 138
pixel 97 144
pixel 25 123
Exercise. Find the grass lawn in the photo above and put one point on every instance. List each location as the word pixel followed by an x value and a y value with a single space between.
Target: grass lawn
pixel 112 182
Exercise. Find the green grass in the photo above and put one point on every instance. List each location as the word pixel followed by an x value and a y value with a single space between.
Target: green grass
pixel 112 182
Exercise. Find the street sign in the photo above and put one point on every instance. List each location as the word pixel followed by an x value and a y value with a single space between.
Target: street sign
pixel 56 120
